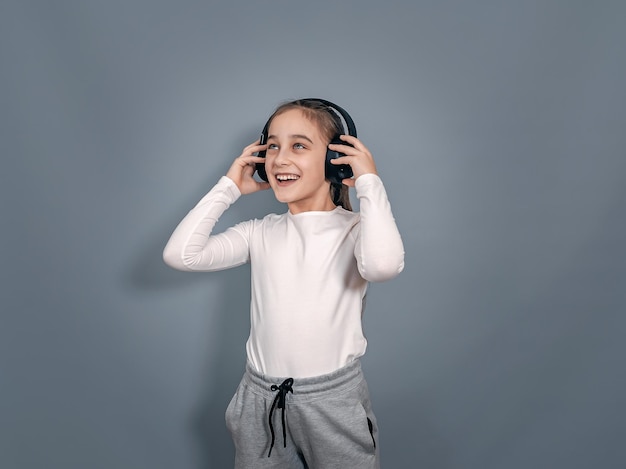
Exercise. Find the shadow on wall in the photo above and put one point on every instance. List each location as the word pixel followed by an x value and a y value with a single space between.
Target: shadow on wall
pixel 225 364
pixel 223 372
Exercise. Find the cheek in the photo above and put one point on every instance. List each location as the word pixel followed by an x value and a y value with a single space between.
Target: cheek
pixel 269 161
pixel 317 165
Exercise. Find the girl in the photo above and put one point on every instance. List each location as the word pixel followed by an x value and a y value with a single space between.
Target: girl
pixel 310 268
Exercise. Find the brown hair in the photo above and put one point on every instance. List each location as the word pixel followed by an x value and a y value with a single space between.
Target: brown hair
pixel 329 124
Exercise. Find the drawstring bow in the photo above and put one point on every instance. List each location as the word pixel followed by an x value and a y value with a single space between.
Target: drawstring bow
pixel 279 402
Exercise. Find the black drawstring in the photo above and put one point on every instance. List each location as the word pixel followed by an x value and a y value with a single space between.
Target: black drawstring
pixel 283 389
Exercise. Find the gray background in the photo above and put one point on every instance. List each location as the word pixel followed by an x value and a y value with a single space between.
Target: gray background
pixel 499 130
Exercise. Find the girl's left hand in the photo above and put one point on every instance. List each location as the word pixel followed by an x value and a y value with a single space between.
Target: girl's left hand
pixel 357 156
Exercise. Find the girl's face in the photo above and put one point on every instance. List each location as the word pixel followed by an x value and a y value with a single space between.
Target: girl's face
pixel 295 162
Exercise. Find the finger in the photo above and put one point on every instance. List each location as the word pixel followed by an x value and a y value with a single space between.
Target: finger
pixel 252 158
pixel 345 149
pixel 348 182
pixel 254 147
pixel 355 142
pixel 342 160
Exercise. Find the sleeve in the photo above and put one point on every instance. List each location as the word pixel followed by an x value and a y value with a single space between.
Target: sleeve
pixel 192 247
pixel 379 250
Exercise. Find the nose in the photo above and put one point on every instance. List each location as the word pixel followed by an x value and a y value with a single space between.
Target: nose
pixel 282 156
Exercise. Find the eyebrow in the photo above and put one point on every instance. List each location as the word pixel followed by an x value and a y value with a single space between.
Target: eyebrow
pixel 294 136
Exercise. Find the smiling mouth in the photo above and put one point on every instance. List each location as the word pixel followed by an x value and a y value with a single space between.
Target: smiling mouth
pixel 286 178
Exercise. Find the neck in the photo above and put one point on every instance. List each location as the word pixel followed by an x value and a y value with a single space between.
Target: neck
pixel 310 206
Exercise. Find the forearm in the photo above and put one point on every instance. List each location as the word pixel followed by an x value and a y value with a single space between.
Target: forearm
pixel 192 247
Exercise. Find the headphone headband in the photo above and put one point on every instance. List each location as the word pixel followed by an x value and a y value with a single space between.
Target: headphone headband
pixel 341 111
pixel 349 123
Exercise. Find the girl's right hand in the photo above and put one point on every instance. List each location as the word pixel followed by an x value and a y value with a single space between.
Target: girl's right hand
pixel 243 168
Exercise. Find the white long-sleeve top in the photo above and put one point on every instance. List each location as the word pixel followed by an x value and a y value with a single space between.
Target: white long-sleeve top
pixel 309 273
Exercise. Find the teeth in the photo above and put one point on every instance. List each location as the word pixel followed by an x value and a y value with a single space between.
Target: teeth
pixel 287 177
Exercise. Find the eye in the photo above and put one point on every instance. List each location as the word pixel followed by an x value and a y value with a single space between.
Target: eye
pixel 272 146
pixel 298 146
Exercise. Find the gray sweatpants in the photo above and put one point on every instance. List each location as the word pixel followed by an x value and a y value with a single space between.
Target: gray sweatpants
pixel 328 421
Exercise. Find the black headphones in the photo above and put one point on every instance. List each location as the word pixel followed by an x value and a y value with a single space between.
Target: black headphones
pixel 334 173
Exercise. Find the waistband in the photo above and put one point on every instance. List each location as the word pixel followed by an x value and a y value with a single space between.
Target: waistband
pixel 310 388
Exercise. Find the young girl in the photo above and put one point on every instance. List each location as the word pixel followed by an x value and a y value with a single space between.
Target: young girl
pixel 310 270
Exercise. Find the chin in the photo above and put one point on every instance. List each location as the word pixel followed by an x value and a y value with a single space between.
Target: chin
pixel 281 197
pixel 282 200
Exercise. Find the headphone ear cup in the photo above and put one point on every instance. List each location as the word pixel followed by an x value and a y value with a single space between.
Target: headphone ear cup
pixel 337 173
pixel 260 167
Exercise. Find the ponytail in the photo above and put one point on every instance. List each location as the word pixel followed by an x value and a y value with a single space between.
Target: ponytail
pixel 340 193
